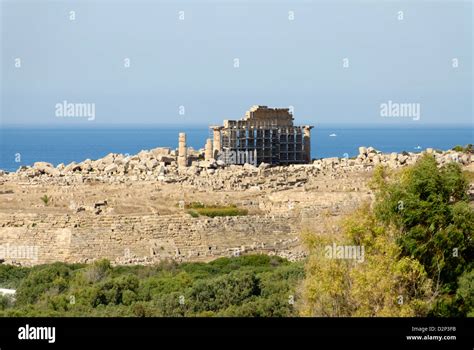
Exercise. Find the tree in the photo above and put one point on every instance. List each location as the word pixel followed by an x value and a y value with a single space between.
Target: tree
pixel 381 285
pixel 429 207
pixel 417 237
pixel 465 293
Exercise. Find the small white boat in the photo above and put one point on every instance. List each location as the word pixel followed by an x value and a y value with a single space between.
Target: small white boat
pixel 333 135
pixel 418 147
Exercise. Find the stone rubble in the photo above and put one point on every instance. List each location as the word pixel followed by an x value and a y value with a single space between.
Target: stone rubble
pixel 161 164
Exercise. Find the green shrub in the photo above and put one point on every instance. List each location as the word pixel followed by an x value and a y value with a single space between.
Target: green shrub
pixel 197 208
pixel 6 301
pixel 42 279
pixel 223 291
pixel 97 271
pixel 111 291
pixel 466 149
pixel 193 213
pixel 195 205
pixel 465 293
pixel 11 276
pixel 244 285
pixel 46 199
pixel 430 206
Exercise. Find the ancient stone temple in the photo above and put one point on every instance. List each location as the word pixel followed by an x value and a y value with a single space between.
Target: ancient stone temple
pixel 263 135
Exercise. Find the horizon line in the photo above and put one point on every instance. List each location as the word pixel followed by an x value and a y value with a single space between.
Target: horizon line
pixel 207 125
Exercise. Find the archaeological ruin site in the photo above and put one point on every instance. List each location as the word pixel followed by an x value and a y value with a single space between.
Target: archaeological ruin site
pixel 137 209
pixel 266 133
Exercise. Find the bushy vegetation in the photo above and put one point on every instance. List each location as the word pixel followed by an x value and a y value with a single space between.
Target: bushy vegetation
pixel 418 245
pixel 466 149
pixel 195 209
pixel 45 199
pixel 253 285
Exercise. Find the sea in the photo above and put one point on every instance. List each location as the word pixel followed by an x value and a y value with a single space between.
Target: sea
pixel 25 145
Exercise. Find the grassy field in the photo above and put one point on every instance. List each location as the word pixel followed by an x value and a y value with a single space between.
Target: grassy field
pixel 196 209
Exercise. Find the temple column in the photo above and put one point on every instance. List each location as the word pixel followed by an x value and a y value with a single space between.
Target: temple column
pixel 217 141
pixel 307 143
pixel 208 150
pixel 182 151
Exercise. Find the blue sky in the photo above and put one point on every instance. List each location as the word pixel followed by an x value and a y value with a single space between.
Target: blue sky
pixel 190 62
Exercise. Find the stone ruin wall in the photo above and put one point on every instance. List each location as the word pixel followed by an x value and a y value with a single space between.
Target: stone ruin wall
pixel 146 239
